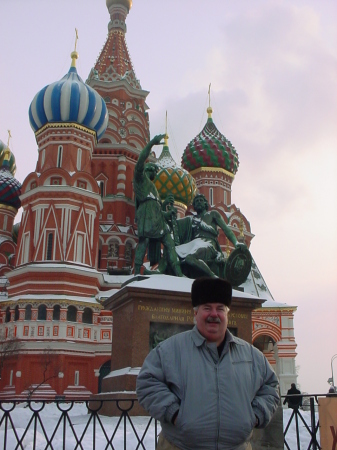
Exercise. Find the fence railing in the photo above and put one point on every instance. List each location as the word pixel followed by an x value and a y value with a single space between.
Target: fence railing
pixel 303 425
pixel 72 424
pixel 42 424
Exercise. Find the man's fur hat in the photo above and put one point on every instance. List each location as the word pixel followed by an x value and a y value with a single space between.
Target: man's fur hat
pixel 211 290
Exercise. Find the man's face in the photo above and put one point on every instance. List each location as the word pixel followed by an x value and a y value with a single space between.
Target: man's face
pixel 211 320
pixel 151 171
pixel 199 204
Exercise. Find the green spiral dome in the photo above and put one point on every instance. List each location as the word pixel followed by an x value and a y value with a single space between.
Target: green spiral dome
pixel 210 148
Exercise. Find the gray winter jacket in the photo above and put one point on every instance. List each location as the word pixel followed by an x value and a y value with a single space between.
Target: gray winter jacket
pixel 218 399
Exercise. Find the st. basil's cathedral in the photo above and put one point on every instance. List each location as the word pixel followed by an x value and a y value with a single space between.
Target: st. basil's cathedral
pixel 76 241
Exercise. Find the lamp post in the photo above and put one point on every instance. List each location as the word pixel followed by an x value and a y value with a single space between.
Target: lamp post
pixel 332 360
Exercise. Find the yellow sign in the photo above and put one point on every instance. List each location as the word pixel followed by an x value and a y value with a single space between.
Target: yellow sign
pixel 183 315
pixel 180 315
pixel 327 408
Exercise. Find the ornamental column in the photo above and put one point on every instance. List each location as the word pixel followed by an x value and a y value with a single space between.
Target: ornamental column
pixel 121 177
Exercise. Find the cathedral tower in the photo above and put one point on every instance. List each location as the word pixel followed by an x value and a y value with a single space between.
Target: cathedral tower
pixel 213 162
pixel 10 190
pixel 116 154
pixel 51 306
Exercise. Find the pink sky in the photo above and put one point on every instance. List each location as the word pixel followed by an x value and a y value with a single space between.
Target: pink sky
pixel 272 65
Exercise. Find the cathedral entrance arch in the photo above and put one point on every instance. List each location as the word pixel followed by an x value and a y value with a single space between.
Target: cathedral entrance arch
pixel 268 346
pixel 103 372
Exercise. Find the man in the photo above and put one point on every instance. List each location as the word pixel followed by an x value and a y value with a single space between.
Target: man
pixel 201 250
pixel 208 388
pixel 295 400
pixel 152 227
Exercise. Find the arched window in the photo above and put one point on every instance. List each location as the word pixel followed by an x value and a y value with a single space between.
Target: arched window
pixel 49 247
pixel 5 223
pixel 101 188
pixel 113 249
pixel 42 312
pixel 25 251
pixel 28 312
pixel 8 315
pixel 103 372
pixel 16 313
pixel 79 248
pixel 43 157
pixel 211 196
pixel 128 252
pixel 56 312
pixel 79 159
pixel 59 156
pixel 264 343
pixel 87 315
pixel 71 314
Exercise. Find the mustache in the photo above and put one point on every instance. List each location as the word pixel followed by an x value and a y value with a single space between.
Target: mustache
pixel 213 320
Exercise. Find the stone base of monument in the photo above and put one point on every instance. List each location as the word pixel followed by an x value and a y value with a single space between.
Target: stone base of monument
pixel 114 403
pixel 270 438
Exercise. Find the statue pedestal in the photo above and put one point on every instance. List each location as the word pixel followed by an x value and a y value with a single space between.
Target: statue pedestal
pixel 149 310
pixel 271 437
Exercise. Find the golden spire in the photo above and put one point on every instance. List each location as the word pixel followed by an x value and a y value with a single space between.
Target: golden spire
pixel 209 109
pixel 74 54
pixel 9 137
pixel 166 135
pixel 7 152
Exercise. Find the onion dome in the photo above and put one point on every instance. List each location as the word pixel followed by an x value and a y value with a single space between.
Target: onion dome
pixel 210 148
pixel 174 180
pixel 10 188
pixel 11 162
pixel 69 100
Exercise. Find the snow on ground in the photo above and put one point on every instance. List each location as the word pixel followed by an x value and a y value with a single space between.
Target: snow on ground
pixel 79 418
pixel 303 432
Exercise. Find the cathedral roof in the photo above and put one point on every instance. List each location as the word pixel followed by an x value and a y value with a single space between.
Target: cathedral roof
pixel 174 180
pixel 10 187
pixel 256 285
pixel 114 62
pixel 210 148
pixel 69 100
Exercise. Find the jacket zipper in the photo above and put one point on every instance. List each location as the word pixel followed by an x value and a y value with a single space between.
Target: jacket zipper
pixel 218 406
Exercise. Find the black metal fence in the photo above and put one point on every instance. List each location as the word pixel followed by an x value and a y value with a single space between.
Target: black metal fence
pixel 71 425
pixel 299 422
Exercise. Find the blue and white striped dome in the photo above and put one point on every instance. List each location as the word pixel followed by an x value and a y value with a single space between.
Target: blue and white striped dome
pixel 69 100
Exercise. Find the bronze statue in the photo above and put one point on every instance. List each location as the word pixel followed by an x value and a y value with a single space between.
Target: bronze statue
pixel 153 228
pixel 200 250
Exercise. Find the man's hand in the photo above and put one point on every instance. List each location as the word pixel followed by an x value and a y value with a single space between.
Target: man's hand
pixel 157 139
pixel 240 244
pixel 174 418
pixel 169 200
pixel 170 213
